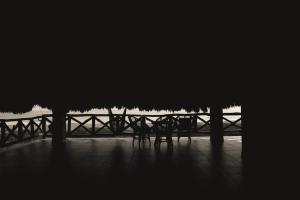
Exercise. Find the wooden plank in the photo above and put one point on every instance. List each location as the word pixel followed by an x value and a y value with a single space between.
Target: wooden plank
pixel 3 133
pixel 139 115
pixel 131 124
pixel 203 120
pixel 111 119
pixel 104 124
pixel 31 128
pixel 24 118
pixel 9 130
pixel 150 120
pixel 44 126
pixel 233 123
pixel 232 114
pixel 26 128
pixel 9 133
pixel 81 125
pixel 123 118
pixel 105 115
pixel 233 131
pixel 93 125
pixel 38 127
pixel 203 126
pixel 126 123
pixel 194 122
pixel 20 130
pixel 69 126
pixel 48 120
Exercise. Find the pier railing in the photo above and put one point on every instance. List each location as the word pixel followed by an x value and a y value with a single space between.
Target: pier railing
pixel 97 125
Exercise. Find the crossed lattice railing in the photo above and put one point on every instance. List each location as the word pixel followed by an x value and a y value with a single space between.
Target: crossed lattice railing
pixel 93 125
pixel 78 125
pixel 17 130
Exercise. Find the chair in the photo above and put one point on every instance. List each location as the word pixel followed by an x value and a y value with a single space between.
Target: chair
pixel 117 122
pixel 184 127
pixel 163 129
pixel 141 131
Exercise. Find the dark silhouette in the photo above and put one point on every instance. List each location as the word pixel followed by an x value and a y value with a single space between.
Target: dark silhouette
pixel 185 128
pixel 164 70
pixel 163 128
pixel 141 131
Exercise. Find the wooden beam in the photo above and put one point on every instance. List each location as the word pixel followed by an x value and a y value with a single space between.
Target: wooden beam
pixel 123 119
pixel 38 126
pixel 111 118
pixel 31 128
pixel 3 134
pixel 232 123
pixel 26 128
pixel 93 125
pixel 81 125
pixel 252 137
pixel 44 126
pixel 20 129
pixel 58 127
pixel 104 124
pixel 69 126
pixel 216 125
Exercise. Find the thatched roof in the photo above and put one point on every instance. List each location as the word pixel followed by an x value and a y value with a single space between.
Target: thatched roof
pixel 93 88
pixel 156 73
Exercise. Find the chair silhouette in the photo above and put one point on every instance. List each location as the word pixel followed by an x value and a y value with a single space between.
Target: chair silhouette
pixel 185 127
pixel 163 129
pixel 141 131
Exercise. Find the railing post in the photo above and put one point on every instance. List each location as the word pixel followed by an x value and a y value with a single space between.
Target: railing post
pixel 44 126
pixel 216 128
pixel 31 128
pixel 143 122
pixel 2 127
pixel 194 123
pixel 118 124
pixel 20 129
pixel 93 125
pixel 123 118
pixel 69 125
pixel 111 121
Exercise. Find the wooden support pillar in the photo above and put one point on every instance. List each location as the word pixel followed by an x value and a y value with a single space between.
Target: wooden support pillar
pixel 244 131
pixel 194 123
pixel 58 127
pixel 260 156
pixel 31 128
pixel 44 126
pixel 216 125
pixel 143 122
pixel 117 119
pixel 3 135
pixel 20 130
pixel 93 124
pixel 69 128
pixel 111 121
pixel 123 120
pixel 252 136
